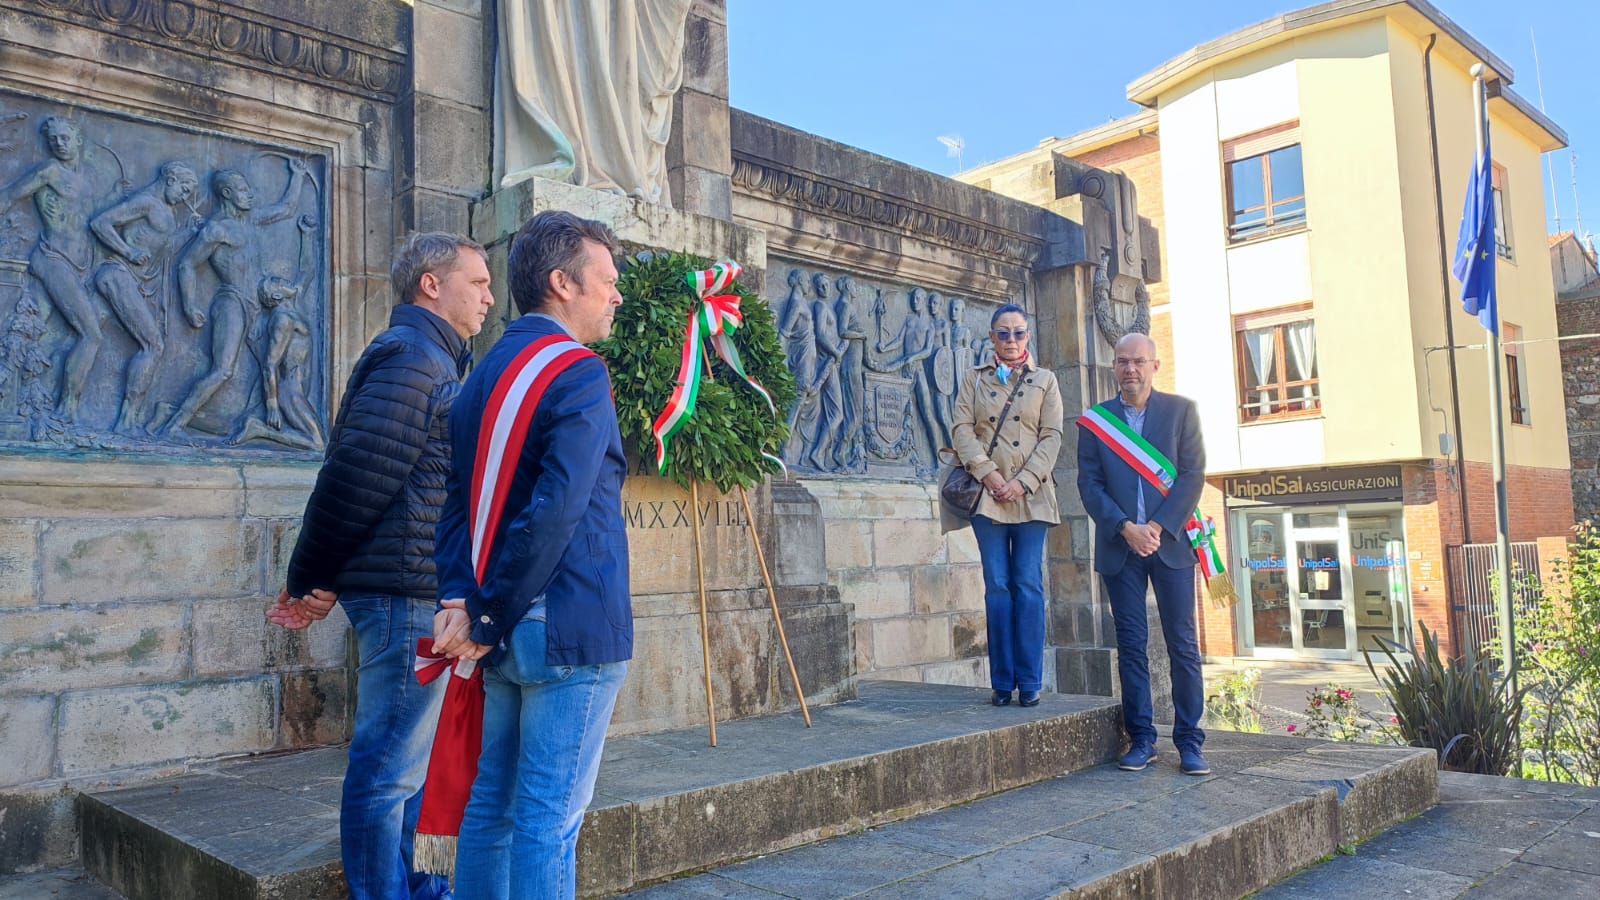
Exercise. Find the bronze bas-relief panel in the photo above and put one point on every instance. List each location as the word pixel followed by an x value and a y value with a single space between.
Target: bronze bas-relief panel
pixel 878 366
pixel 160 287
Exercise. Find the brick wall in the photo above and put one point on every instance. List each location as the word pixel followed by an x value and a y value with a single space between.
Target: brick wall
pixel 1580 368
pixel 1538 501
pixel 1161 332
pixel 1218 627
pixel 1433 521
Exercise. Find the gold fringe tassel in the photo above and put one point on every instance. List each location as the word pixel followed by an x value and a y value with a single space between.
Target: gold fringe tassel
pixel 1221 590
pixel 434 854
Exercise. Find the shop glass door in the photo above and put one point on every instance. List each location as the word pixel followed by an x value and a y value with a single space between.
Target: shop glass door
pixel 1382 593
pixel 1322 600
pixel 1299 583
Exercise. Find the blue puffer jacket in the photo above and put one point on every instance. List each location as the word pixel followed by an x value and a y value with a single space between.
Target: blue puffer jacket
pixel 369 525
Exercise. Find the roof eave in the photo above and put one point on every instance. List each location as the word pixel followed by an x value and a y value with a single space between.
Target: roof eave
pixel 1147 89
pixel 1139 124
pixel 1548 135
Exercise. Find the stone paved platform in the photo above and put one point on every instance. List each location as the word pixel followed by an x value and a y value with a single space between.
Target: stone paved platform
pixel 666 803
pixel 1488 837
pixel 1271 807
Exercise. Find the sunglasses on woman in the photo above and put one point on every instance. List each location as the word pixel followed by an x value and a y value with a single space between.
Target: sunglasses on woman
pixel 1008 334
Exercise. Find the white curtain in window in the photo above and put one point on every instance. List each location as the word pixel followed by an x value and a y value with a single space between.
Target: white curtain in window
pixel 1302 346
pixel 1262 347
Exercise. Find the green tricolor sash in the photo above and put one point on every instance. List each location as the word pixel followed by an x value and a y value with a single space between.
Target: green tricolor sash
pixel 1154 467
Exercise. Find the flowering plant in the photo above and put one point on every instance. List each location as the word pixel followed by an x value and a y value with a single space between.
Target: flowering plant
pixel 1234 703
pixel 1332 713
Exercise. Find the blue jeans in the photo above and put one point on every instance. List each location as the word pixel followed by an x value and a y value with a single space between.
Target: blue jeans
pixel 1013 601
pixel 1175 602
pixel 543 730
pixel 395 720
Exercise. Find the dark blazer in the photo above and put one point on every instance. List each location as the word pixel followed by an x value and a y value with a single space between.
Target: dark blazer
pixel 369 523
pixel 1109 487
pixel 562 533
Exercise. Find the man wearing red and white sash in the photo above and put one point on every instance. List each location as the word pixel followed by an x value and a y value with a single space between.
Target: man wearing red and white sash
pixel 1140 542
pixel 533 562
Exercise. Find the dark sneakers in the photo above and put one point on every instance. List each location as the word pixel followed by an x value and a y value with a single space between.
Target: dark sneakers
pixel 1190 762
pixel 1027 698
pixel 1001 698
pixel 1137 758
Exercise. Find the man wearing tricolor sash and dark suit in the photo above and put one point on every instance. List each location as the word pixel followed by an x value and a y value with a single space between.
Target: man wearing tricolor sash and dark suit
pixel 533 564
pixel 1141 469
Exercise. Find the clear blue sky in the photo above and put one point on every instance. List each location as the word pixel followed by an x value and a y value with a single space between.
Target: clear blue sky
pixel 891 76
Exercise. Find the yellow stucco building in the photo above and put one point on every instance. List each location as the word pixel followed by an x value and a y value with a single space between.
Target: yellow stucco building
pixel 1306 176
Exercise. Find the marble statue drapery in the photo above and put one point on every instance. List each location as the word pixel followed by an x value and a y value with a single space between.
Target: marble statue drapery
pixel 583 92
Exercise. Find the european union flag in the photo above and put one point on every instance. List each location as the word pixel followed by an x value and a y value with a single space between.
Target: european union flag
pixel 1475 250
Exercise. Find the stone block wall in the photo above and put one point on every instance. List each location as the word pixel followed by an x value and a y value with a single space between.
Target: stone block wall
pixel 132 634
pixel 444 123
pixel 133 578
pixel 1580 369
pixel 699 164
pixel 917 595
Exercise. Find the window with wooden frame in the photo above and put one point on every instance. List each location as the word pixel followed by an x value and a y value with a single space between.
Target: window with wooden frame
pixel 1266 183
pixel 1275 355
pixel 1502 226
pixel 1516 389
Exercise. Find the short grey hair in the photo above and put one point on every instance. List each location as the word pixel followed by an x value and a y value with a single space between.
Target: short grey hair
pixel 422 252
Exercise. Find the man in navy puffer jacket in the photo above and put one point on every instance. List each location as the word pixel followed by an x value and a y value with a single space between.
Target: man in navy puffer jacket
pixel 367 540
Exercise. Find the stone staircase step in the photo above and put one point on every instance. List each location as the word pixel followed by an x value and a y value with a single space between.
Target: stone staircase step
pixel 259 829
pixel 666 803
pixel 1271 807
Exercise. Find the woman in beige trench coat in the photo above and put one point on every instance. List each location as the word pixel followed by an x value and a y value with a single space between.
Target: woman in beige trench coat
pixel 1019 501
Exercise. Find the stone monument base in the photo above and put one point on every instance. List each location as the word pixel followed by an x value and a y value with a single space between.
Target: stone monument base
pixel 665 687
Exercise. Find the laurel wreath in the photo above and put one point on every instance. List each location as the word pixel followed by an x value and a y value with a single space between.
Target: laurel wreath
pixel 722 442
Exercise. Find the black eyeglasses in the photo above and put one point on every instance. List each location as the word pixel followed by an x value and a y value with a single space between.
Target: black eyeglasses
pixel 1009 334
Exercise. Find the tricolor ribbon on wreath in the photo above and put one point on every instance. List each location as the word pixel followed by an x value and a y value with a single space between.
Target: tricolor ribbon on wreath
pixel 1154 467
pixel 714 321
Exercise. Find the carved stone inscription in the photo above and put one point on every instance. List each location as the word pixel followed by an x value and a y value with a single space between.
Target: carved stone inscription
pixel 878 367
pixel 242 35
pixel 158 286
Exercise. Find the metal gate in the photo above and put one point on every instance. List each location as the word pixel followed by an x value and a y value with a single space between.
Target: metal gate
pixel 1474 600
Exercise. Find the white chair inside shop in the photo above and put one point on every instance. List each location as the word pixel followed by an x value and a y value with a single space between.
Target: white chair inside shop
pixel 1313 626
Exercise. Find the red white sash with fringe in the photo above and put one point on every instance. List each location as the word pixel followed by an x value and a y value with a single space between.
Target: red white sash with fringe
pixel 501 437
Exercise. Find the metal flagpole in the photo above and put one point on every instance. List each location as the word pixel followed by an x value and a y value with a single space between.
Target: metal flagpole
pixel 1508 624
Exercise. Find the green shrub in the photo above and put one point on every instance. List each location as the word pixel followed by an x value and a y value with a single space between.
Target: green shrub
pixel 1460 709
pixel 1558 639
pixel 1234 703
